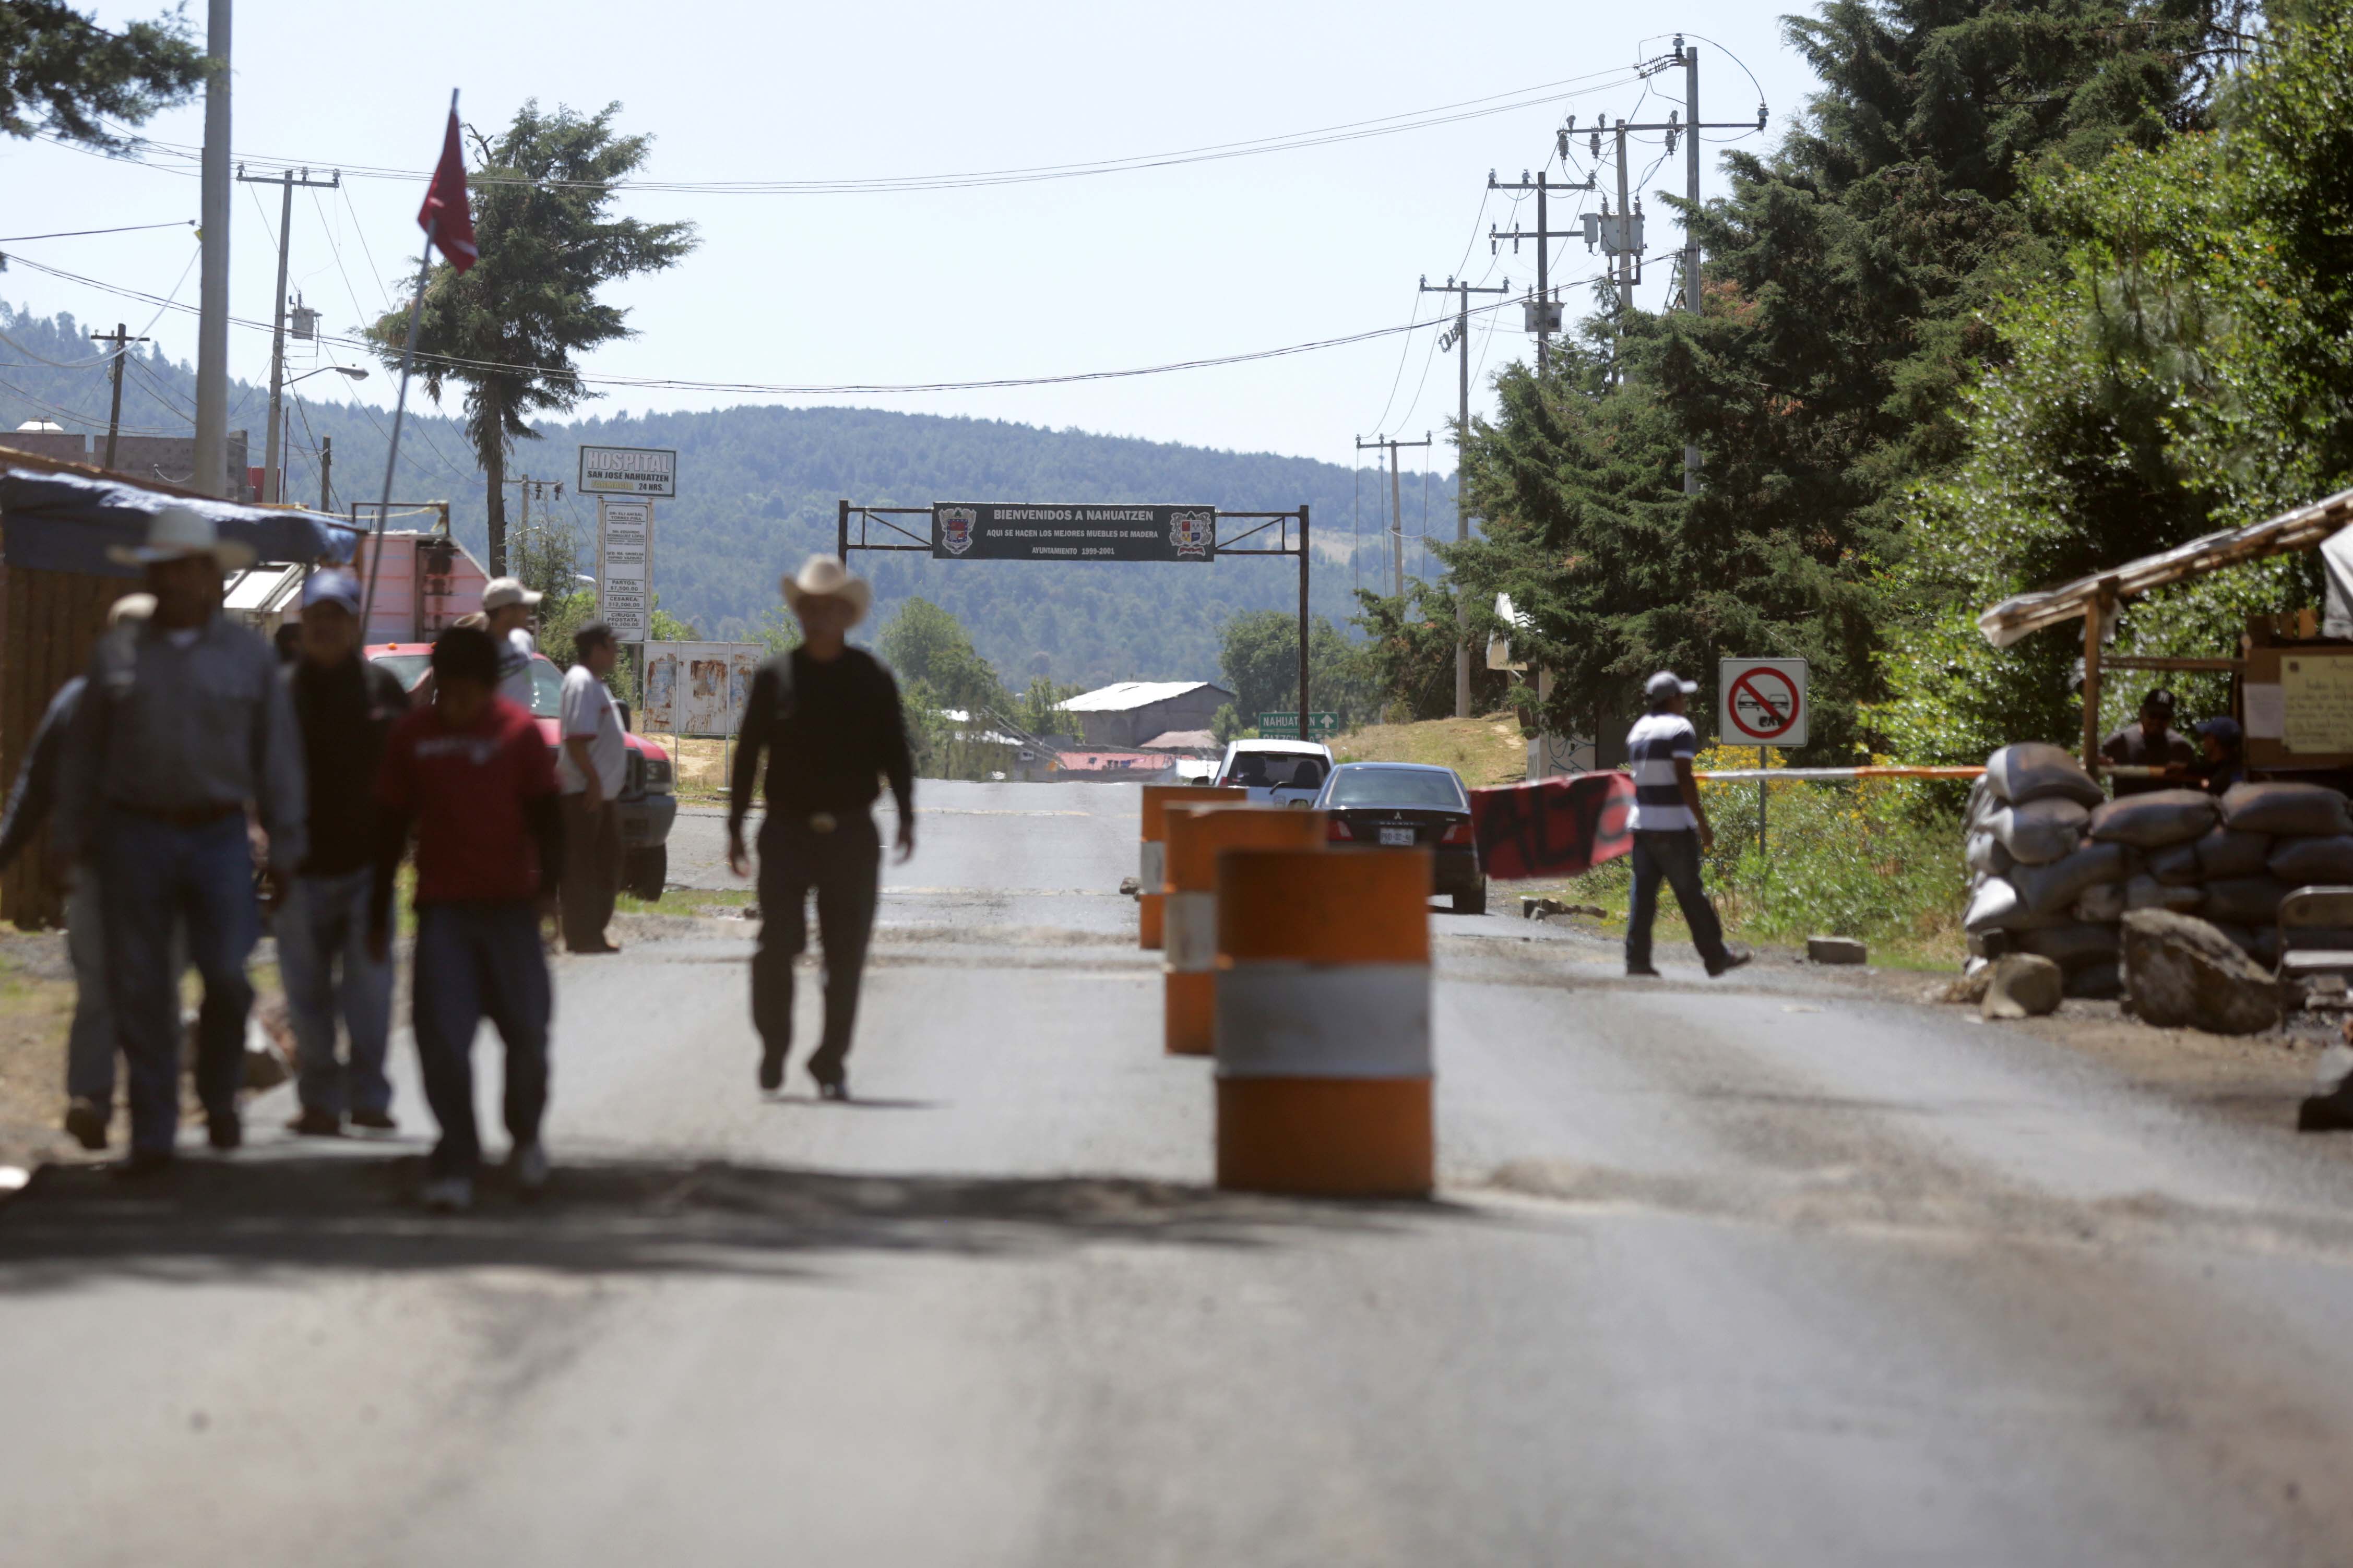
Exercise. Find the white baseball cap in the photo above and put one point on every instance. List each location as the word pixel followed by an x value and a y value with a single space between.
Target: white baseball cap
pixel 501 592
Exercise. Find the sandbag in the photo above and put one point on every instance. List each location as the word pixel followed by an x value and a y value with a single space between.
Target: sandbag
pixel 2073 946
pixel 1993 906
pixel 2303 862
pixel 1986 856
pixel 2047 889
pixel 1982 803
pixel 2244 901
pixel 2097 983
pixel 2232 852
pixel 2176 865
pixel 2146 892
pixel 2041 831
pixel 2305 810
pixel 2035 770
pixel 2103 905
pixel 2154 820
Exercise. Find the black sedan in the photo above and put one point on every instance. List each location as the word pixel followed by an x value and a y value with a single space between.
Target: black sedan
pixel 1402 804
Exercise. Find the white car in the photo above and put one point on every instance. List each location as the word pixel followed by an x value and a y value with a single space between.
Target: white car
pixel 1287 773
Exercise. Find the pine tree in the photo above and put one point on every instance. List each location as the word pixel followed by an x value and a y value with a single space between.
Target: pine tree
pixel 63 74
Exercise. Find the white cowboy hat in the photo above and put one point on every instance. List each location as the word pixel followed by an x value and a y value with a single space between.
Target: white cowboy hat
pixel 825 577
pixel 501 592
pixel 177 533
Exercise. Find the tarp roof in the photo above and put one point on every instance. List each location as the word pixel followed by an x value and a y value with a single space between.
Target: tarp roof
pixel 2303 528
pixel 1126 694
pixel 63 517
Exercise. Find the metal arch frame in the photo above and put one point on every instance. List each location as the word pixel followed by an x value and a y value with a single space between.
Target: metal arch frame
pixel 870 516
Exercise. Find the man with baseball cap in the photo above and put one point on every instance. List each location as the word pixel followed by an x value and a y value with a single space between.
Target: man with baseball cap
pixel 1670 828
pixel 506 605
pixel 345 707
pixel 184 723
pixel 2153 742
pixel 827 716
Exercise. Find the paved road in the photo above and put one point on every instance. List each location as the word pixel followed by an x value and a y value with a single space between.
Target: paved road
pixel 1773 1274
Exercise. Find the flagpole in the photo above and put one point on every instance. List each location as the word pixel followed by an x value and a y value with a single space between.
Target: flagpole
pixel 399 408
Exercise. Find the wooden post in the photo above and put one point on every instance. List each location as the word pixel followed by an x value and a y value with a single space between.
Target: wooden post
pixel 2096 611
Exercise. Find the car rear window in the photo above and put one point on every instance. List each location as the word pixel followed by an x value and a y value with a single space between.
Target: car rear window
pixel 1408 787
pixel 408 669
pixel 546 680
pixel 1274 770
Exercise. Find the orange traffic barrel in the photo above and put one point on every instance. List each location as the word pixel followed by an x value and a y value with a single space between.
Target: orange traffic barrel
pixel 1323 1022
pixel 1199 832
pixel 1152 863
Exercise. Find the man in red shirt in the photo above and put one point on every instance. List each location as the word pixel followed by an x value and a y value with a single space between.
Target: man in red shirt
pixel 472 772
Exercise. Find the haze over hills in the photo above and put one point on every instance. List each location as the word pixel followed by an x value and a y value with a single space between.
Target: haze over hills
pixel 758 488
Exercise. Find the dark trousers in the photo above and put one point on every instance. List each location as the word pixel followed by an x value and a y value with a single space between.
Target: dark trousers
pixel 592 870
pixel 845 868
pixel 1674 858
pixel 157 878
pixel 475 961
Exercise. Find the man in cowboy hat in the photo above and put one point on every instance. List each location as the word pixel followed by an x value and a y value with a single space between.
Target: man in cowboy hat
pixel 184 725
pixel 506 605
pixel 827 716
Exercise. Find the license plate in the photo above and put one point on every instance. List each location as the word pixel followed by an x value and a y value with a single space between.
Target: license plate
pixel 1397 837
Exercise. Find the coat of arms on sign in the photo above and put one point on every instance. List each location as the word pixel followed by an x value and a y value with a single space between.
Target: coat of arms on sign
pixel 956 528
pixel 1189 532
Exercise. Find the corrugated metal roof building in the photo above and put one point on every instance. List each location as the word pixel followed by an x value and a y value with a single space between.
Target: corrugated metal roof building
pixel 1133 712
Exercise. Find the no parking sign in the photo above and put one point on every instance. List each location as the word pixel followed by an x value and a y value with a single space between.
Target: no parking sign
pixel 1760 703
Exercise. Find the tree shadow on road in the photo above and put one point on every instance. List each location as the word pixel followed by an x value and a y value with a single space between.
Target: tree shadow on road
pixel 211 1221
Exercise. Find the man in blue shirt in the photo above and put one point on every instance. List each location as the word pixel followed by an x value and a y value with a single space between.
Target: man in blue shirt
pixel 1670 828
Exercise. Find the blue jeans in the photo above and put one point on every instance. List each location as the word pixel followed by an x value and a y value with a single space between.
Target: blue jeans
pixel 321 927
pixel 1674 858
pixel 90 1048
pixel 152 877
pixel 473 961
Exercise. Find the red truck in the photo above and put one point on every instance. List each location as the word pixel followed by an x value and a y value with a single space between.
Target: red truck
pixel 648 803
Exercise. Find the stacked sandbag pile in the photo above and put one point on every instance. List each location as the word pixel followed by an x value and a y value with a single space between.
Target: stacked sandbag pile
pixel 2054 866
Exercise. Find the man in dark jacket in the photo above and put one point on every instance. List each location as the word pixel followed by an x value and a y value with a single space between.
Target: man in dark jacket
pixel 2153 742
pixel 827 716
pixel 344 708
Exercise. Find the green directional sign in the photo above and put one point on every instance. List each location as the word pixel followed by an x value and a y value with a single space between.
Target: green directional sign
pixel 1285 726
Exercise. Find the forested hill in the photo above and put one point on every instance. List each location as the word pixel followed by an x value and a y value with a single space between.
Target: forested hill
pixel 758 488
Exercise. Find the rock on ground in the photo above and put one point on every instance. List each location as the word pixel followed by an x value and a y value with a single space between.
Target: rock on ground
pixel 2181 972
pixel 2024 985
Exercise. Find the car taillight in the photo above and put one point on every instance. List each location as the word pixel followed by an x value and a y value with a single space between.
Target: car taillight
pixel 1458 833
pixel 1338 833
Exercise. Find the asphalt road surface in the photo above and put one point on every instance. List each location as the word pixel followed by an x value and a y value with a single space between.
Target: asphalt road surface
pixel 1769 1272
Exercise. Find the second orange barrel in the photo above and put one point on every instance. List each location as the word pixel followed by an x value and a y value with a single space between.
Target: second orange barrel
pixel 1152 863
pixel 1197 833
pixel 1323 1022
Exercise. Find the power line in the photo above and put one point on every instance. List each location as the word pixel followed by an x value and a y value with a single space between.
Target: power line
pixel 78 233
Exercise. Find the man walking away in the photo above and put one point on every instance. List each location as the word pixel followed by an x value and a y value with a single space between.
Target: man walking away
pixel 1670 828
pixel 589 772
pixel 506 605
pixel 2153 742
pixel 90 1046
pixel 184 723
pixel 345 707
pixel 472 775
pixel 827 716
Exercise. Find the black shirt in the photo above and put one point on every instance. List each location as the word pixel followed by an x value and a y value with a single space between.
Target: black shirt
pixel 833 732
pixel 2132 747
pixel 344 713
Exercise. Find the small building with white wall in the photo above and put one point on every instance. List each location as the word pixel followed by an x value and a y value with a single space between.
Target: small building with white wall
pixel 1134 711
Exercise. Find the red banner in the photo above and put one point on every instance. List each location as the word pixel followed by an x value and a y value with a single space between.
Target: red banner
pixel 1555 827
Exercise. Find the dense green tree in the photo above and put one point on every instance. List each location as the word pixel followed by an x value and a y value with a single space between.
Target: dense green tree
pixel 1260 663
pixel 1409 658
pixel 927 647
pixel 2189 367
pixel 509 327
pixel 65 75
pixel 1848 277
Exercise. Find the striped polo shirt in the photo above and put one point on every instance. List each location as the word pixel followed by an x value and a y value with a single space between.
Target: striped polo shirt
pixel 1652 748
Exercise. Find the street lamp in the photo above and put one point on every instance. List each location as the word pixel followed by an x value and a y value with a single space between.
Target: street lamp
pixel 355 373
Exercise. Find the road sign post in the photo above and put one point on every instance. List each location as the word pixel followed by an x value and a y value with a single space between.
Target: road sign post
pixel 1761 703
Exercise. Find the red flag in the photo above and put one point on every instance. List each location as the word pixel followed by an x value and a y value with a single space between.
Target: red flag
pixel 445 218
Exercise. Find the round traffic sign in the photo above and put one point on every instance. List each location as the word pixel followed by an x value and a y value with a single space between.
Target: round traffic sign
pixel 1759 713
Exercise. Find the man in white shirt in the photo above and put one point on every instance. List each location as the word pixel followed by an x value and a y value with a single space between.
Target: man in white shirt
pixel 1670 828
pixel 589 769
pixel 506 605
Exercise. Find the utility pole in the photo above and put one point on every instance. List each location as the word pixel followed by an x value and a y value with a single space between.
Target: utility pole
pixel 273 440
pixel 211 476
pixel 1461 335
pixel 122 340
pixel 326 471
pixel 1397 504
pixel 1542 314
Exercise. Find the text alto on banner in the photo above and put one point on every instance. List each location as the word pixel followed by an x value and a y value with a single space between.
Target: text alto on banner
pixel 1553 828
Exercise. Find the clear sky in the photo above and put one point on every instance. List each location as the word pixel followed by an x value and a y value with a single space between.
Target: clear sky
pixel 1108 271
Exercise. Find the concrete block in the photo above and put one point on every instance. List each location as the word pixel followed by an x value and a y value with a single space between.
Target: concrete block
pixel 1836 950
